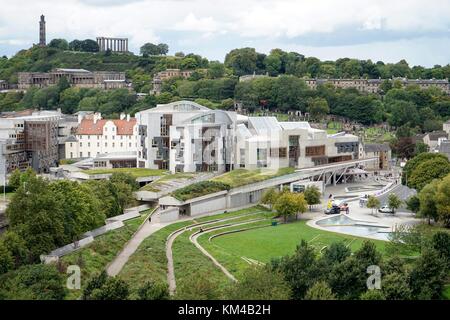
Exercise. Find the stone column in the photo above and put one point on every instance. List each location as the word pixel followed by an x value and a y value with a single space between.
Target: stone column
pixel 126 45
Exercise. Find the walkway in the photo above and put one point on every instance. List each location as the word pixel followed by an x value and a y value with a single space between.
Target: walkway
pixel 145 231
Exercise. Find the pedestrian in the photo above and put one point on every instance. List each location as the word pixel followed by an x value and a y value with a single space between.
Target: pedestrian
pixel 347 209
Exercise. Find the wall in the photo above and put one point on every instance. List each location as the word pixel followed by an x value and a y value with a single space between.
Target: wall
pixel 211 204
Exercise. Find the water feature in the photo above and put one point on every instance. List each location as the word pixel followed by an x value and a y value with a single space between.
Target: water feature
pixel 343 224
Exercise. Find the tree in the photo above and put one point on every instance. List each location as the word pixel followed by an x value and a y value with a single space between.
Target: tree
pixel 373 203
pixel 6 259
pixel 395 286
pixel 442 200
pixel 153 291
pixel 312 196
pixel 61 44
pixel 102 287
pixel 427 171
pixel 300 203
pixel 260 283
pixel 286 205
pixel 427 276
pixel 372 295
pixel 16 246
pixel 335 253
pixel 320 291
pixel 427 201
pixel 37 216
pixel 394 201
pixel 242 61
pixel 299 270
pixel 122 177
pixel 34 282
pixel 269 197
pixel 441 243
pixel 318 108
pixel 413 203
pixel 154 50
pixel 89 45
pixel 368 255
pixel 216 70
pixel 348 278
pixel 412 164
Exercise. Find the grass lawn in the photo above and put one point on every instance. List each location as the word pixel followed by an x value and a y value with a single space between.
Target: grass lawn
pixel 241 177
pixel 162 182
pixel 264 244
pixel 149 262
pixel 95 257
pixel 135 172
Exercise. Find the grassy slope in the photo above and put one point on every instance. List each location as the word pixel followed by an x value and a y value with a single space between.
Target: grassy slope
pixel 240 177
pixel 157 185
pixel 135 172
pixel 95 257
pixel 149 262
pixel 266 243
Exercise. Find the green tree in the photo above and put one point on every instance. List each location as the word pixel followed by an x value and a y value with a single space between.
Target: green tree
pixel 442 200
pixel 61 44
pixel 216 70
pixel 299 270
pixel 413 203
pixel 394 201
pixel 427 276
pixel 320 291
pixel 16 246
pixel 441 243
pixel 313 196
pixel 412 164
pixel 6 259
pixel 348 278
pixel 286 205
pixel 122 177
pixel 335 253
pixel 242 61
pixel 372 295
pixel 33 282
pixel 102 287
pixel 300 203
pixel 368 255
pixel 269 197
pixel 260 283
pixel 427 171
pixel 395 286
pixel 373 203
pixel 427 201
pixel 318 108
pixel 153 291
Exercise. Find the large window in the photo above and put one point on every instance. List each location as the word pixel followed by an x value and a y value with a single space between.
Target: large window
pixel 278 152
pixel 315 151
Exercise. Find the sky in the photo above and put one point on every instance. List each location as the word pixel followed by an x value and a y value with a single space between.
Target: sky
pixel 388 30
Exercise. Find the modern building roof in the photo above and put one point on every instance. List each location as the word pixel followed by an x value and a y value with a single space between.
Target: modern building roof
pixel 263 125
pixel 376 147
pixel 178 106
pixel 295 125
pixel 91 127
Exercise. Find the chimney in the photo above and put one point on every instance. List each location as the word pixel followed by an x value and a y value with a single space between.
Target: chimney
pixel 122 116
pixel 128 118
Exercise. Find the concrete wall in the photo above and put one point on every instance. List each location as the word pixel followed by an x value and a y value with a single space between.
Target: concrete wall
pixel 208 205
pixel 169 214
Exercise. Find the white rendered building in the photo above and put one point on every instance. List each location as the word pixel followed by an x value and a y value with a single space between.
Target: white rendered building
pixel 187 137
pixel 97 136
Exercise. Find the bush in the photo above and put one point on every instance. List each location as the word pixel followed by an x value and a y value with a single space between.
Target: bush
pixel 199 189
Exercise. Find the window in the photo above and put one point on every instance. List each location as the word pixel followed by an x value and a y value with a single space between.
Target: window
pixel 71 144
pixel 89 154
pixel 106 144
pixel 71 155
pixel 278 152
pixel 113 145
pixel 154 144
pixel 315 151
pixel 81 144
pixel 261 154
pixel 89 144
pixel 129 144
pixel 98 144
pixel 121 144
pixel 81 154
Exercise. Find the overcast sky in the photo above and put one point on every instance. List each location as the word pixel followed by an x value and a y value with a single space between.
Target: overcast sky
pixel 388 30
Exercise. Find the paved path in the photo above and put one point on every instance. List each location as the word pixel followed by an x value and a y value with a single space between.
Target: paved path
pixel 145 231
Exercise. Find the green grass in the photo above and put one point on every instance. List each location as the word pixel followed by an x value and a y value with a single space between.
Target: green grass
pixel 377 135
pixel 149 262
pixel 199 189
pixel 264 244
pixel 241 177
pixel 135 172
pixel 159 184
pixel 95 257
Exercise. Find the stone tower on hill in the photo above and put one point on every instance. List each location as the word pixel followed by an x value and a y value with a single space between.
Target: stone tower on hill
pixel 42 41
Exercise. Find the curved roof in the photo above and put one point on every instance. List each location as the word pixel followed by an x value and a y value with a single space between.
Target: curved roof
pixel 180 106
pixel 204 115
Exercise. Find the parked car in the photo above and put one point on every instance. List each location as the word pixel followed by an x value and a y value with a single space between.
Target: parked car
pixel 333 210
pixel 386 209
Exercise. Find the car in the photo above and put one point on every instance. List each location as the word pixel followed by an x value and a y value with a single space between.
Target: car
pixel 386 209
pixel 333 210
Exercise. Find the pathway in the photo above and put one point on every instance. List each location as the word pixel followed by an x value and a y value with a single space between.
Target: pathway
pixel 144 231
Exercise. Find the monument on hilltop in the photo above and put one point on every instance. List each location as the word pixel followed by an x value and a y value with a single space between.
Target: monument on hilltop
pixel 42 41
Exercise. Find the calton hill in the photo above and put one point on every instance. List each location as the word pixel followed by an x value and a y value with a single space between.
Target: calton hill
pixel 272 250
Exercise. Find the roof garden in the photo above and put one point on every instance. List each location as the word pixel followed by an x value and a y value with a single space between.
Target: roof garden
pixel 135 172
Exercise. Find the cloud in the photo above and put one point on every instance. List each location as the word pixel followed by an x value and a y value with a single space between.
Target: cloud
pixel 324 23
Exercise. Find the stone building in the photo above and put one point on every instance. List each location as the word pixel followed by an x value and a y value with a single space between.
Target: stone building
pixel 167 74
pixel 4 85
pixel 42 36
pixel 113 44
pixel 96 136
pixel 80 78
pixel 382 152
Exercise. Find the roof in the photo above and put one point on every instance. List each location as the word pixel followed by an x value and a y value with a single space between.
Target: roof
pixel 178 106
pixel 295 125
pixel 376 147
pixel 72 70
pixel 71 139
pixel 263 125
pixel 444 147
pixel 87 126
pixel 435 135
